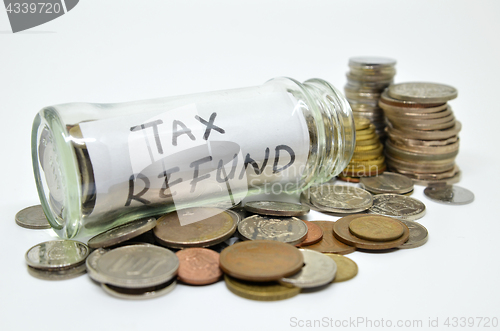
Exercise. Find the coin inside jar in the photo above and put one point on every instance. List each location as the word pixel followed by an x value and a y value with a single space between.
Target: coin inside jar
pixel 376 228
pixel 211 226
pixel 276 208
pixel 261 260
pixel 122 233
pixel 198 266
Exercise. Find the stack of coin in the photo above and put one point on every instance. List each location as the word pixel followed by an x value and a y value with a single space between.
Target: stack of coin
pixel 368 158
pixel 371 232
pixel 423 133
pixel 57 259
pixel 367 79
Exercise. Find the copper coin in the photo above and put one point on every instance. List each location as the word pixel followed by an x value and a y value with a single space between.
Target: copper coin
pixel 261 260
pixel 206 227
pixel 376 228
pixel 314 234
pixel 198 266
pixel 342 233
pixel 330 244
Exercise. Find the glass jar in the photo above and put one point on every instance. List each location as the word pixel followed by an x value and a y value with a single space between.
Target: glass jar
pixel 100 165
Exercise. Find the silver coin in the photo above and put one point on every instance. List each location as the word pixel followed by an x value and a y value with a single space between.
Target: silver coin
pixel 397 206
pixel 276 208
pixel 341 198
pixel 122 233
pixel 423 92
pixel 139 294
pixel 91 264
pixel 418 235
pixel 289 230
pixel 236 216
pixel 60 274
pixel 449 194
pixel 318 270
pixel 388 182
pixel 371 61
pixel 32 218
pixel 57 254
pixel 137 266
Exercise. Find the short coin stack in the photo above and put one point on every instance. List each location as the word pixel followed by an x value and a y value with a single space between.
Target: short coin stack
pixel 423 133
pixel 368 158
pixel 367 79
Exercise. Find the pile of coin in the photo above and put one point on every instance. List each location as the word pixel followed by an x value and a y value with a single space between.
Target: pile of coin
pixel 368 157
pixel 367 79
pixel 423 133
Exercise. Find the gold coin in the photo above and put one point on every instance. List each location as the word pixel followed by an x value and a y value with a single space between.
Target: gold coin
pixel 271 291
pixel 367 147
pixel 346 268
pixel 366 132
pixel 376 228
pixel 369 155
pixel 366 137
pixel 366 163
pixel 361 123
pixel 367 141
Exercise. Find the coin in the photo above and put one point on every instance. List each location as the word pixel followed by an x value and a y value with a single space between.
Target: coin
pixel 341 199
pixel 261 260
pixel 314 234
pixel 376 228
pixel 136 266
pixel 318 270
pixel 449 194
pixel 422 92
pixel 122 233
pixel 418 235
pixel 276 208
pixel 58 274
pixel 91 264
pixel 270 291
pixel 330 244
pixel 141 293
pixel 397 206
pixel 214 227
pixel 342 233
pixel 425 135
pixel 32 218
pixel 388 182
pixel 346 268
pixel 289 230
pixel 198 266
pixel 371 61
pixel 57 254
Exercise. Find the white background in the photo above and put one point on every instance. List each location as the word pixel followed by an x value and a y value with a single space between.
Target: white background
pixel 117 50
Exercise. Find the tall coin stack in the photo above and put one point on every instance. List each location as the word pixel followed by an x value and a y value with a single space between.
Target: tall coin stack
pixel 368 157
pixel 423 133
pixel 367 79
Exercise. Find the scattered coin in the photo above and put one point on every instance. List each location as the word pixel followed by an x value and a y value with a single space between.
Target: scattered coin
pixel 449 194
pixel 330 244
pixel 342 233
pixel 346 268
pixel 261 260
pixel 314 234
pixel 397 206
pixel 276 208
pixel 58 274
pixel 91 264
pixel 57 254
pixel 418 235
pixel 318 270
pixel 122 233
pixel 270 291
pixel 340 199
pixel 136 266
pixel 388 182
pixel 289 230
pixel 198 266
pixel 139 294
pixel 212 226
pixel 376 228
pixel 32 218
